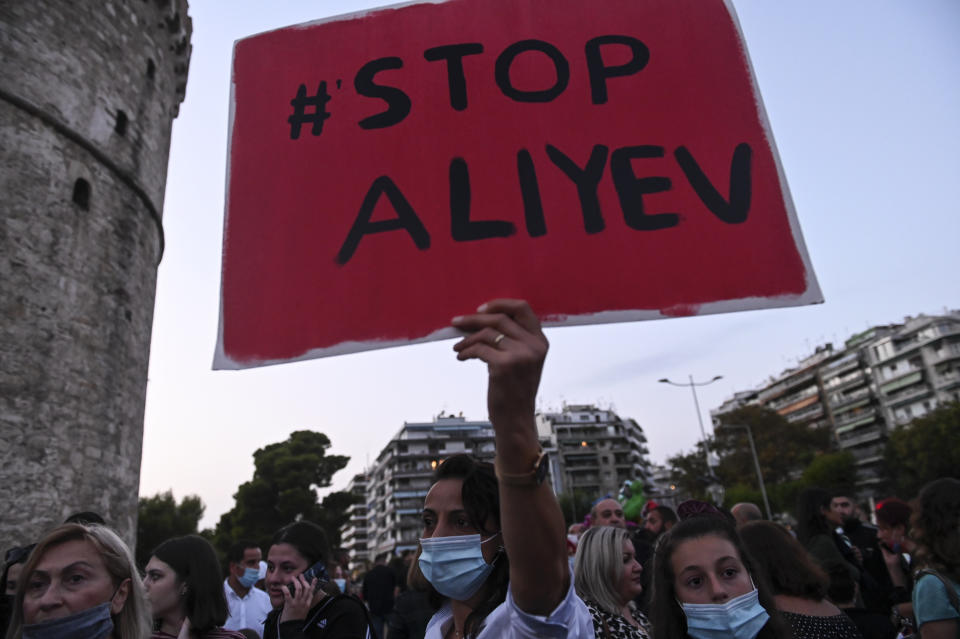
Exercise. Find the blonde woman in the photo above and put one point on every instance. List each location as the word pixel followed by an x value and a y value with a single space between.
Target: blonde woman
pixel 80 581
pixel 607 577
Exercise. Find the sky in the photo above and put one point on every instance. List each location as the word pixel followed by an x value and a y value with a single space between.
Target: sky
pixel 863 102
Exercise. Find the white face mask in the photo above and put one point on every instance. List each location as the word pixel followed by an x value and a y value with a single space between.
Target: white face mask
pixel 739 618
pixel 455 566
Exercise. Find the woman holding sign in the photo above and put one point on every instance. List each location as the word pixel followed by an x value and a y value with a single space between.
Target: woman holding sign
pixel 493 553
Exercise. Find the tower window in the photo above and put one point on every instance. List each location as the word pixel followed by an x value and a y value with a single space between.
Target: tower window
pixel 81 194
pixel 121 125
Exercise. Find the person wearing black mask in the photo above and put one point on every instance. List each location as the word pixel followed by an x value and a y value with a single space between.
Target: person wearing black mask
pixel 80 582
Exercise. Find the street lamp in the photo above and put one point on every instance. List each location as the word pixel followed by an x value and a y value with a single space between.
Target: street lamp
pixel 693 388
pixel 715 489
pixel 756 464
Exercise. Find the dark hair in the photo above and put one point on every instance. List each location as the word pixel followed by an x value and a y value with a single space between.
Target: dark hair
pixel 481 500
pixel 85 517
pixel 666 514
pixel 788 566
pixel 13 556
pixel 810 519
pixel 894 512
pixel 843 589
pixel 936 515
pixel 307 537
pixel 311 542
pixel 194 561
pixel 666 614
pixel 235 554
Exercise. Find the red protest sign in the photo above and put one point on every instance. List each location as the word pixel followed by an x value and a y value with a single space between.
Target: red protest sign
pixel 605 159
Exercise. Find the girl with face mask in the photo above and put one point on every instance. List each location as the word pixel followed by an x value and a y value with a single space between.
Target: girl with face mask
pixel 80 582
pixel 705 586
pixel 493 550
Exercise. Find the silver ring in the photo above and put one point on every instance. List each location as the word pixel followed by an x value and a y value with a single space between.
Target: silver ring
pixel 498 339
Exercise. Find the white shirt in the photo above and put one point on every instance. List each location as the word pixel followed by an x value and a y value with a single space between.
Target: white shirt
pixel 246 612
pixel 569 620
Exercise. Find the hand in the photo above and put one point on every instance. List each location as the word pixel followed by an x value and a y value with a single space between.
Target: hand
pixel 506 335
pixel 297 605
pixel 858 554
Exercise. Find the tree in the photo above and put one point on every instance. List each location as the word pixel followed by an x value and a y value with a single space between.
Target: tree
pixel 689 473
pixel 160 517
pixel 284 488
pixel 784 449
pixel 574 506
pixel 835 472
pixel 927 448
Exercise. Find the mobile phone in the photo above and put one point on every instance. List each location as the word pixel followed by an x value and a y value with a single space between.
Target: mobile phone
pixel 317 571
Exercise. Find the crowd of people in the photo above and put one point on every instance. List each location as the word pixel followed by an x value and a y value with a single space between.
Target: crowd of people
pixel 496 560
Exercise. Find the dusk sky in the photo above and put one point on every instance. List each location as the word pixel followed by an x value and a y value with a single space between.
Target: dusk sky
pixel 863 101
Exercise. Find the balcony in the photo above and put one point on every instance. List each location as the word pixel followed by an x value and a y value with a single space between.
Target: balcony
pixel 901 379
pixel 908 395
pixel 794 398
pixel 838 400
pixel 844 363
pixel 851 420
pixel 858 438
pixel 811 412
pixel 948 378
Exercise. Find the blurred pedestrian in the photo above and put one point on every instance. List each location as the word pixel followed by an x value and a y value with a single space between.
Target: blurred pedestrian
pixel 247 605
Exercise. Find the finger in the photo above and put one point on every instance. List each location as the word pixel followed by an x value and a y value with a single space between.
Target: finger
pixel 518 309
pixel 500 322
pixel 489 336
pixel 484 352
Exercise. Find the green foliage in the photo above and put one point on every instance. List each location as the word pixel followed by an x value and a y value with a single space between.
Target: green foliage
pixel 160 517
pixel 284 488
pixel 927 448
pixel 784 449
pixel 574 507
pixel 690 475
pixel 835 472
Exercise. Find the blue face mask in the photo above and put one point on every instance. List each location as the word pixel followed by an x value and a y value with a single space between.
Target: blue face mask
pixel 92 623
pixel 249 577
pixel 455 566
pixel 740 618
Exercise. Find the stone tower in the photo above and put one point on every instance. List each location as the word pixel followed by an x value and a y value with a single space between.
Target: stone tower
pixel 88 94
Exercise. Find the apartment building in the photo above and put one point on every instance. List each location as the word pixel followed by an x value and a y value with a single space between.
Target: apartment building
pixel 353 534
pixel 400 477
pixel 883 377
pixel 593 450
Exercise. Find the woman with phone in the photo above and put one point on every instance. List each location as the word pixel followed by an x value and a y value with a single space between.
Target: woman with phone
pixel 305 603
pixel 493 556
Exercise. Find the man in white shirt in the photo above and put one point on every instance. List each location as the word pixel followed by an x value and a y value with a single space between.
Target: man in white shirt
pixel 248 606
